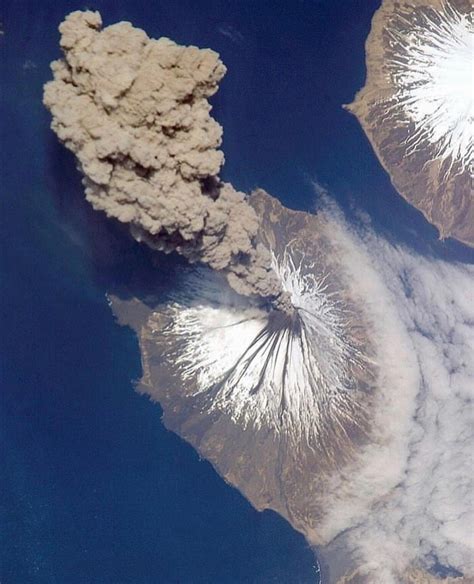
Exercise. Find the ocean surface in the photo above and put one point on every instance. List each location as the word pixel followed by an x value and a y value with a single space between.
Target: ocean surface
pixel 93 489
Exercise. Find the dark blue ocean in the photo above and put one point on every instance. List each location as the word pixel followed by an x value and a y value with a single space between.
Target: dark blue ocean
pixel 93 489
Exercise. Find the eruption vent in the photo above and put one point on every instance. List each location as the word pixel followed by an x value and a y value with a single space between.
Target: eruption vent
pixel 135 113
pixel 291 372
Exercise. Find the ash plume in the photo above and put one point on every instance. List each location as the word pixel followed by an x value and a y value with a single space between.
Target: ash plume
pixel 135 113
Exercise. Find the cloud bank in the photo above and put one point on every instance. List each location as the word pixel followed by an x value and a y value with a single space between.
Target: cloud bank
pixel 135 113
pixel 410 513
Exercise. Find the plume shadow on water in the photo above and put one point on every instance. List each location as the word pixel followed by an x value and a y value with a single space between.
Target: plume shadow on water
pixel 118 264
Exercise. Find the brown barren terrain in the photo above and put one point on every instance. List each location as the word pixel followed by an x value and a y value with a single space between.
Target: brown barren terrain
pixel 441 188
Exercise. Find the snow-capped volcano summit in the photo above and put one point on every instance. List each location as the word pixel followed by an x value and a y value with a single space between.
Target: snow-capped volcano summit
pixel 417 107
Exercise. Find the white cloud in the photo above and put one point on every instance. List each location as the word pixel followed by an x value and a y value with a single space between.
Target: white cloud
pixel 427 516
pixel 231 33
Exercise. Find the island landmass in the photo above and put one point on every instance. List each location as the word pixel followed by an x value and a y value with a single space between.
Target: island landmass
pixel 417 107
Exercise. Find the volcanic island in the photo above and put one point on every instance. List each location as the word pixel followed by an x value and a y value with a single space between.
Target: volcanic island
pixel 417 107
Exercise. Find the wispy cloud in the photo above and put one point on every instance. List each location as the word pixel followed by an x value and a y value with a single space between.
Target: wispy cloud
pixel 231 33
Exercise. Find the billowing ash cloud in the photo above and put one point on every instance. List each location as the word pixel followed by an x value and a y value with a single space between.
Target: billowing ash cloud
pixel 135 113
